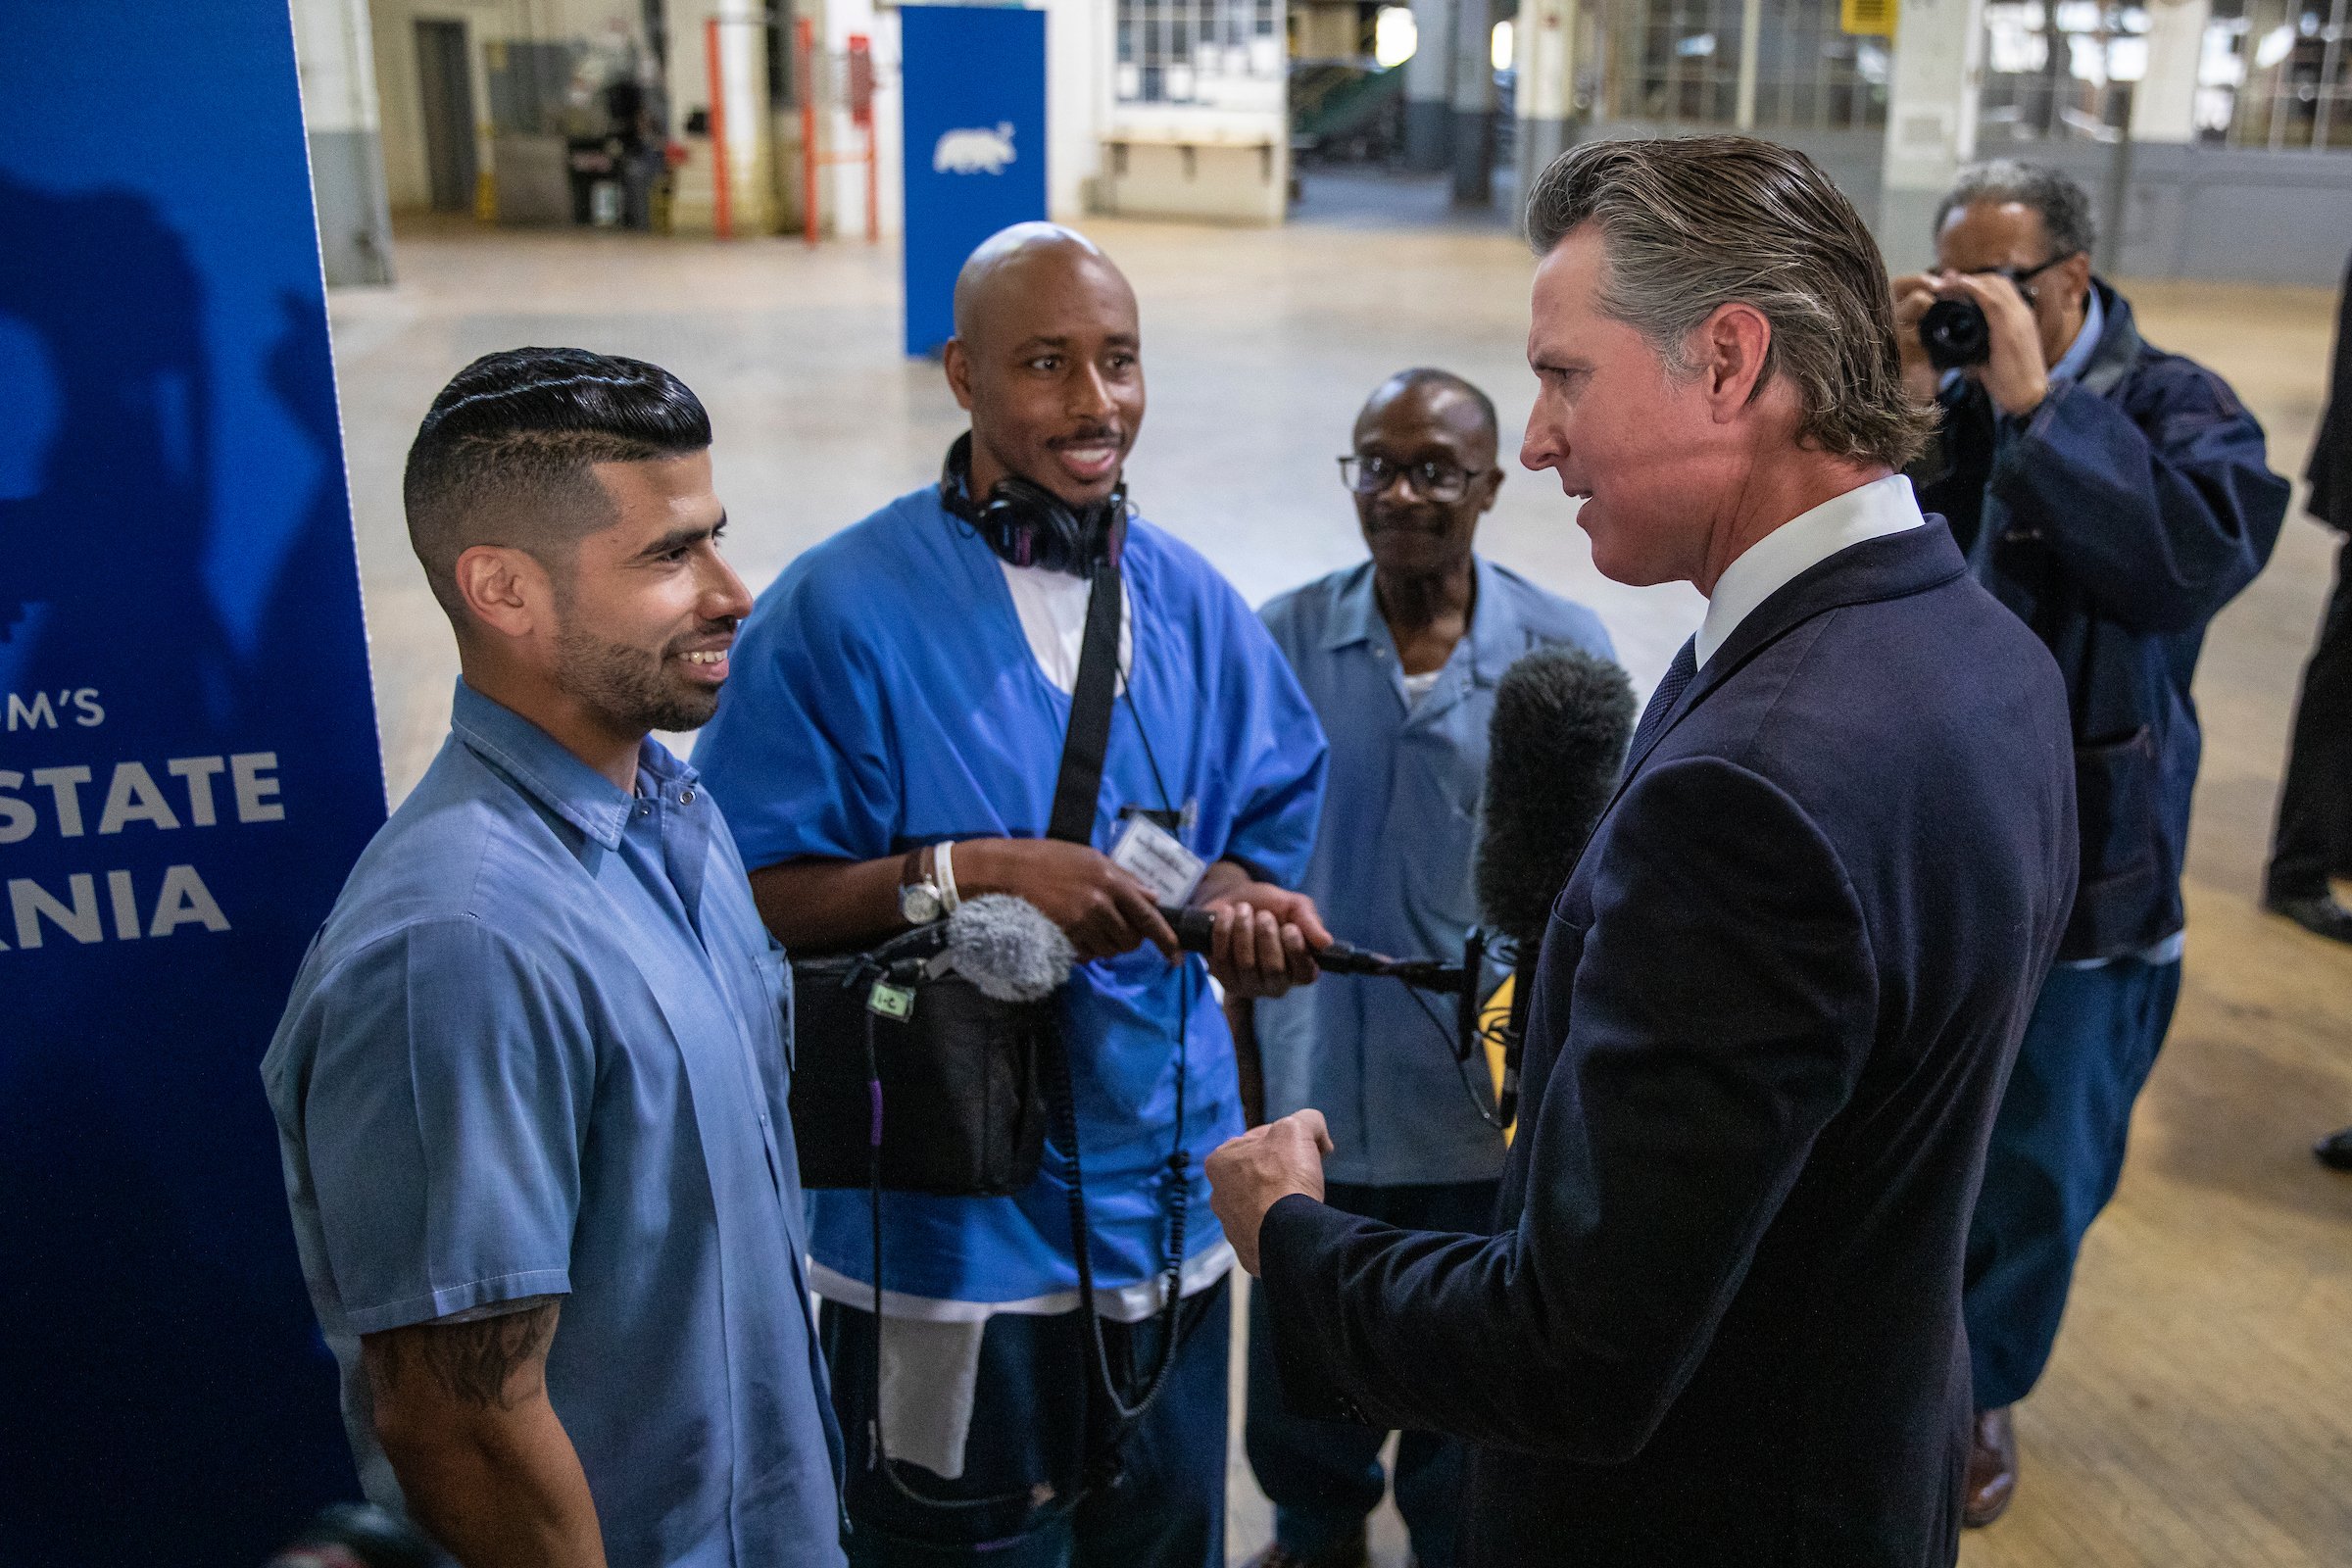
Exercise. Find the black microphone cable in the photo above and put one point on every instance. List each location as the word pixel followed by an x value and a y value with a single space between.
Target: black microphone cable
pixel 1194 929
pixel 1482 1036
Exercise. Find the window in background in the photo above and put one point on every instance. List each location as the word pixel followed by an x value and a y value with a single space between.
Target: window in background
pixel 2270 74
pixel 1214 54
pixel 1680 63
pixel 2277 74
pixel 1811 75
pixel 1677 61
pixel 1395 37
pixel 2059 72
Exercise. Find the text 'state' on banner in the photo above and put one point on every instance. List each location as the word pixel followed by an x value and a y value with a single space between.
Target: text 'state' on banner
pixel 974 96
pixel 188 767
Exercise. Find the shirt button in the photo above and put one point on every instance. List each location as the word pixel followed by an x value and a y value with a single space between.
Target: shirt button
pixel 687 799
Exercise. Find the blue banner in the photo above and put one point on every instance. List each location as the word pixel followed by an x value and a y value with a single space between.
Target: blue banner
pixel 974 93
pixel 188 767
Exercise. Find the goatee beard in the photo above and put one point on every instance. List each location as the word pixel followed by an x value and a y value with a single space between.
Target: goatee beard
pixel 625 687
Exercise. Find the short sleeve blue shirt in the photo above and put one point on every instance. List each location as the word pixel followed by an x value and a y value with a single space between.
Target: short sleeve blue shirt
pixel 540 1047
pixel 883 695
pixel 1392 870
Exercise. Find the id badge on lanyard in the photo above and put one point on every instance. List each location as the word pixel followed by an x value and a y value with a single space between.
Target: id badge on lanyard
pixel 1156 859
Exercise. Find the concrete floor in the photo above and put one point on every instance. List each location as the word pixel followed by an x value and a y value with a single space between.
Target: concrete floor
pixel 2203 1378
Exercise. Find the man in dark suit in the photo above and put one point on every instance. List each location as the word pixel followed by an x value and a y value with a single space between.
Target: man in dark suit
pixel 2312 841
pixel 1782 990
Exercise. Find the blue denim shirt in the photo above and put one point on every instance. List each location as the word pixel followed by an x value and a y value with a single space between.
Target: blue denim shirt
pixel 540 1047
pixel 1391 871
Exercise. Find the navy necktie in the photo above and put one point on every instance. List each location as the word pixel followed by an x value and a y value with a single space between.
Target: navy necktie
pixel 1662 700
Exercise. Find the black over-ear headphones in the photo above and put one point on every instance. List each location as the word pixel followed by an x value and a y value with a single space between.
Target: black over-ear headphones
pixel 1029 526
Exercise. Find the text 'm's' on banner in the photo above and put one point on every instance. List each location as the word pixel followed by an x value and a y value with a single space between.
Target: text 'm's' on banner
pixel 188 767
pixel 974 96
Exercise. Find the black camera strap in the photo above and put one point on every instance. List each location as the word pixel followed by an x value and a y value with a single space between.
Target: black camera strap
pixel 1077 793
pixel 1086 746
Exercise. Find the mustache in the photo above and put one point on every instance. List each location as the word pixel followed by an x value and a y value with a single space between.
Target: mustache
pixel 724 626
pixel 1406 520
pixel 1093 435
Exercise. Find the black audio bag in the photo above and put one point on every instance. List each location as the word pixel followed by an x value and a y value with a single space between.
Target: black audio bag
pixel 963 1075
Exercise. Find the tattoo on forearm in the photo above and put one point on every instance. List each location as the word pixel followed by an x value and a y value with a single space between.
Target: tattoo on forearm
pixel 474 1364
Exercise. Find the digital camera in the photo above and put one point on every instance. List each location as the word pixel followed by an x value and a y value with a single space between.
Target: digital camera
pixel 1956 334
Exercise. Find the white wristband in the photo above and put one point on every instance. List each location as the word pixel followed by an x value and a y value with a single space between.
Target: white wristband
pixel 943 870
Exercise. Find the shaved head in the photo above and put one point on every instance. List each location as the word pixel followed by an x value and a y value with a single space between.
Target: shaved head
pixel 1439 396
pixel 1012 264
pixel 1047 359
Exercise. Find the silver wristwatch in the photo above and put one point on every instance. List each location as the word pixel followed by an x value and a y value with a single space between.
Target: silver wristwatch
pixel 927 884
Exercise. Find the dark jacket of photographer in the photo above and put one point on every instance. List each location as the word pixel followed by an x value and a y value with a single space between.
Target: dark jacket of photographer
pixel 2116 520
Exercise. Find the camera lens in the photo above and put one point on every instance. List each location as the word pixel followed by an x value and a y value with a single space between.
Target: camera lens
pixel 1956 334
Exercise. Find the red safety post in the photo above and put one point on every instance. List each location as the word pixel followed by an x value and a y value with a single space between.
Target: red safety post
pixel 858 88
pixel 862 114
pixel 803 43
pixel 722 220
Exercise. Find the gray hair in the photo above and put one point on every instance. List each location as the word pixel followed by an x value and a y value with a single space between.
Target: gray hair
pixel 1689 225
pixel 2063 206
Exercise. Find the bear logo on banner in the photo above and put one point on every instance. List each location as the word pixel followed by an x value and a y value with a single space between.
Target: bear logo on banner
pixel 978 151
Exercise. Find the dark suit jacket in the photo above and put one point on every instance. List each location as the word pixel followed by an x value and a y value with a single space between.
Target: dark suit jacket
pixel 1772 1018
pixel 2331 470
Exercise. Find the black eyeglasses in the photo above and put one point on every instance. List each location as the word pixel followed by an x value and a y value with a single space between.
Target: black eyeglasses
pixel 1368 474
pixel 2019 279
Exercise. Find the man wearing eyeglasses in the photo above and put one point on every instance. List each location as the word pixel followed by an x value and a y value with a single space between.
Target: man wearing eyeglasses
pixel 2116 497
pixel 1400 656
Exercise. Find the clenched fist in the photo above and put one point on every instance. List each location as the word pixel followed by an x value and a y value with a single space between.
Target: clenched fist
pixel 1253 1172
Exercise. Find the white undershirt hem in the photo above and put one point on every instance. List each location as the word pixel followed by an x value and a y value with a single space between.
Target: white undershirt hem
pixel 1126 1303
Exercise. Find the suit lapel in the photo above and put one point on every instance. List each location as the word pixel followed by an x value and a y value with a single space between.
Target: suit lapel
pixel 1891 566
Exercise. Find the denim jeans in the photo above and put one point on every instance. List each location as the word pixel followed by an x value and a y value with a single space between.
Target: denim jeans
pixel 1041 1435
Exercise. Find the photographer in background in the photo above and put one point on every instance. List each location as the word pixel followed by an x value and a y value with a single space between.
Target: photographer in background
pixel 2116 497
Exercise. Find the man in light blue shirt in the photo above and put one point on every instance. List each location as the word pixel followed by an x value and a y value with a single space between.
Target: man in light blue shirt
pixel 530 1086
pixel 1399 656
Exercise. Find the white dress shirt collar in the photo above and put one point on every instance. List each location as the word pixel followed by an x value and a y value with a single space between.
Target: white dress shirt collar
pixel 1882 507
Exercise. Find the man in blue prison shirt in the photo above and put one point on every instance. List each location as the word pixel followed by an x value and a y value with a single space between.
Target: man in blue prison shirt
pixel 1400 656
pixel 530 1086
pixel 891 741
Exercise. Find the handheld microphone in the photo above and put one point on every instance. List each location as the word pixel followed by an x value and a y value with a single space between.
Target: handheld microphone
pixel 1562 722
pixel 1194 927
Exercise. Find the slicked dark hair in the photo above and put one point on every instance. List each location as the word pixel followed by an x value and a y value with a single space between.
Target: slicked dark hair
pixel 504 455
pixel 1690 223
pixel 1421 375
